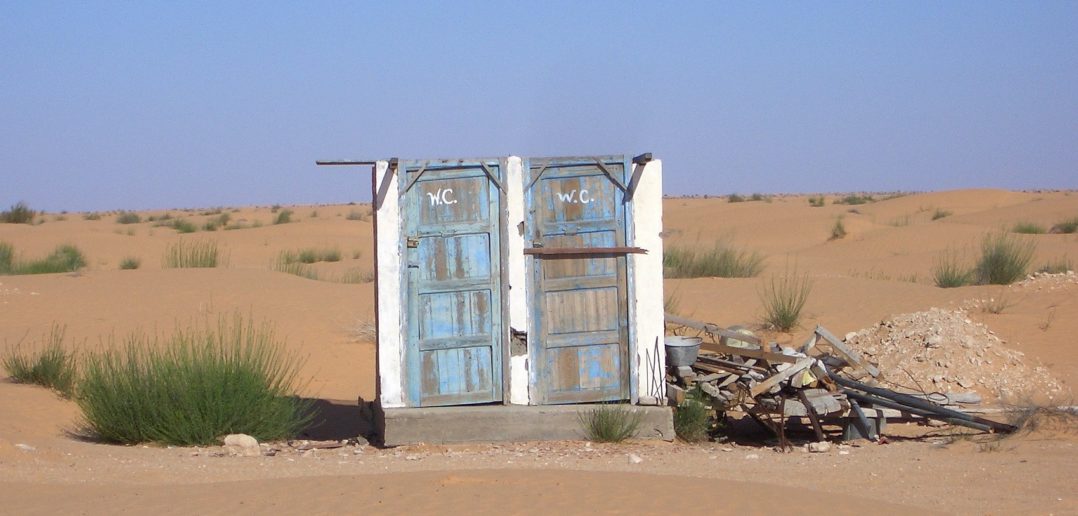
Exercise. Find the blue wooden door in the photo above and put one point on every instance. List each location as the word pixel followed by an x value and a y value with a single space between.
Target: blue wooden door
pixel 453 277
pixel 575 220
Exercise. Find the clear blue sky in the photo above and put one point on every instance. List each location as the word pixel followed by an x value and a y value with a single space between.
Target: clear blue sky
pixel 147 104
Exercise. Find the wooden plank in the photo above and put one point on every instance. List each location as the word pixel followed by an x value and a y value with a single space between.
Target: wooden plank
pixel 713 329
pixel 767 384
pixel 578 251
pixel 851 356
pixel 754 353
pixel 814 418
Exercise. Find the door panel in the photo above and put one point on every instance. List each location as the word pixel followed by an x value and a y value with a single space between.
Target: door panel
pixel 453 279
pixel 579 303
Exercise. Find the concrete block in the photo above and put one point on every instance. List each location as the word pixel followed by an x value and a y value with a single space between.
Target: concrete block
pixel 489 423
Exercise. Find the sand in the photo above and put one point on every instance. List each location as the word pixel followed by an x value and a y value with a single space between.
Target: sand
pixel 880 269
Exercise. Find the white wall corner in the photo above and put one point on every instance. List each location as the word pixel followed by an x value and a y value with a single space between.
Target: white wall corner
pixel 648 278
pixel 518 278
pixel 388 302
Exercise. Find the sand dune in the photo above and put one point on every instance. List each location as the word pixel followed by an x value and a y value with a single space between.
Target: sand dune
pixel 882 267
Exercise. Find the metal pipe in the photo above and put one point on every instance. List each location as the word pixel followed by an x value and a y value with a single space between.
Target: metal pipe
pixel 911 401
pixel 862 421
pixel 883 402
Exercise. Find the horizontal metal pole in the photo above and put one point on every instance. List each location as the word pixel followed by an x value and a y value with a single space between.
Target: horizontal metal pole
pixel 344 162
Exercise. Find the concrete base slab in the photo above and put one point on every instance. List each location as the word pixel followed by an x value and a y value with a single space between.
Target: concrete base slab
pixel 485 423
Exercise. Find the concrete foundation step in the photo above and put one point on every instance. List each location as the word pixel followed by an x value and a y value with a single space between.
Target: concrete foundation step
pixel 486 423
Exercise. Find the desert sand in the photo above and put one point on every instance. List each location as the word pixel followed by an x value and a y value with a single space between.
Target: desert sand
pixel 881 268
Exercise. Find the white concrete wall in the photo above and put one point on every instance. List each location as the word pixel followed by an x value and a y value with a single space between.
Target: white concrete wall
pixel 518 276
pixel 650 328
pixel 388 266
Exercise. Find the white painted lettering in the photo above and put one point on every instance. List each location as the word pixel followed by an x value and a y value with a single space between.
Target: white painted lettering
pixel 442 196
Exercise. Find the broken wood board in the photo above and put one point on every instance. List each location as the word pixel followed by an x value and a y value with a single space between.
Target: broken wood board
pixel 767 384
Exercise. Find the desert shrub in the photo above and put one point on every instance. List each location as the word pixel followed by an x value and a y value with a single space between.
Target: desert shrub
pixel 1066 226
pixel 722 261
pixel 196 386
pixel 65 258
pixel 93 215
pixel 855 199
pixel 939 214
pixel 838 230
pixel 355 215
pixel 7 258
pixel 275 208
pixel 128 217
pixel 817 201
pixel 996 304
pixel 183 226
pixel 288 262
pixel 783 297
pixel 691 418
pixel 1058 266
pixel 130 263
pixel 758 197
pixel 610 423
pixel 1028 228
pixel 182 255
pixel 19 213
pixel 1004 259
pixel 283 217
pixel 217 222
pixel 735 198
pixel 355 276
pixel 51 367
pixel 949 273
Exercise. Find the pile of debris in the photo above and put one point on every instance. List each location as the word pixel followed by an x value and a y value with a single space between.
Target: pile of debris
pixel 945 351
pixel 818 381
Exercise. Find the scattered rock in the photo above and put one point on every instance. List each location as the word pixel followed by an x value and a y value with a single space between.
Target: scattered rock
pixel 819 447
pixel 25 447
pixel 635 459
pixel 242 445
pixel 752 456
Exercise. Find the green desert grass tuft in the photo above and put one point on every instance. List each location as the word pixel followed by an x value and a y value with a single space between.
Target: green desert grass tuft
pixel 855 199
pixel 288 262
pixel 1028 228
pixel 691 418
pixel 128 217
pixel 817 201
pixel 201 383
pixel 93 215
pixel 838 230
pixel 939 214
pixel 783 297
pixel 1005 258
pixel 949 273
pixel 130 263
pixel 283 217
pixel 19 213
pixel 356 215
pixel 51 367
pixel 220 221
pixel 1057 266
pixel 735 198
pixel 722 261
pixel 199 254
pixel 610 423
pixel 1066 226
pixel 65 258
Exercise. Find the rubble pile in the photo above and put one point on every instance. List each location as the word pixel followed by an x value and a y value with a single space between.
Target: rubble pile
pixel 945 351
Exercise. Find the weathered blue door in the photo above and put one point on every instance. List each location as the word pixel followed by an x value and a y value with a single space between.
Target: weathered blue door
pixel 576 225
pixel 453 279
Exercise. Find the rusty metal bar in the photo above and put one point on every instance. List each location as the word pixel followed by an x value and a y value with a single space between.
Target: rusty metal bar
pixel 576 251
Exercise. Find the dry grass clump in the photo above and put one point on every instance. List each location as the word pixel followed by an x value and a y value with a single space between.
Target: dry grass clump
pixel 1057 266
pixel 1028 228
pixel 939 214
pixel 283 217
pixel 1066 226
pixel 783 297
pixel 51 367
pixel 184 255
pixel 130 263
pixel 1004 259
pixel 19 213
pixel 128 217
pixel 838 230
pixel 65 258
pixel 817 201
pixel 721 261
pixel 854 199
pixel 196 386
pixel 610 423
pixel 949 273
pixel 692 418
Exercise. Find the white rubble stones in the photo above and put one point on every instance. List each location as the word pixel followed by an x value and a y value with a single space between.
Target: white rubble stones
pixel 944 350
pixel 635 459
pixel 819 447
pixel 242 445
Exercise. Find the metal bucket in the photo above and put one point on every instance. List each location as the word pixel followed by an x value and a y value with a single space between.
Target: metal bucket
pixel 681 351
